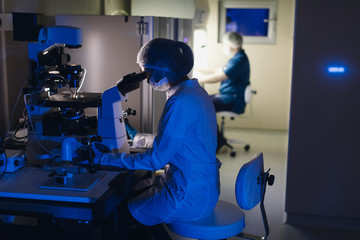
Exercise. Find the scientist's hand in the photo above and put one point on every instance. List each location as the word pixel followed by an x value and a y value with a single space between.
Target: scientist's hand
pixel 130 130
pixel 97 149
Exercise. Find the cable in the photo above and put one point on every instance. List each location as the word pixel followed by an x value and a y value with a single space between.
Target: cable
pixel 22 126
pixel 83 75
pixel 13 110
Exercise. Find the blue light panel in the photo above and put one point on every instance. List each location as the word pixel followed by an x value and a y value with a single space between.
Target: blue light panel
pixel 336 69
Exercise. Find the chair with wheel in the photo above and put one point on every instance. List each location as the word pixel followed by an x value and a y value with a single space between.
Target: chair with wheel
pixel 228 220
pixel 232 115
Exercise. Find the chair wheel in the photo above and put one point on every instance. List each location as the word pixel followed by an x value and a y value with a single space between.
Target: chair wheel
pixel 247 147
pixel 233 154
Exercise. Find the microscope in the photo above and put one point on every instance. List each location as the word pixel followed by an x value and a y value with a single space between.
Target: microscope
pixel 58 123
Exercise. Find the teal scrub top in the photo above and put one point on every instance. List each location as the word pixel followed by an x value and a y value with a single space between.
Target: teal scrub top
pixel 232 89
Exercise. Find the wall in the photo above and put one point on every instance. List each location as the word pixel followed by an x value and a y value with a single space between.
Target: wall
pixel 270 70
pixel 163 8
pixel 13 74
pixel 52 7
pixel 2 118
pixel 324 137
pixel 17 74
pixel 108 53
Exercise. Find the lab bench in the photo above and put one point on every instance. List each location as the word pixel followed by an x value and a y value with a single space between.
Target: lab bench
pixel 63 214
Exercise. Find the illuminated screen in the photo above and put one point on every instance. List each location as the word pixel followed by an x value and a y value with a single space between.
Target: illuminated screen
pixel 247 21
pixel 255 21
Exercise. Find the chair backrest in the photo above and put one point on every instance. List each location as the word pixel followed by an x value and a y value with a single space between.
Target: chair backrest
pixel 248 183
pixel 248 94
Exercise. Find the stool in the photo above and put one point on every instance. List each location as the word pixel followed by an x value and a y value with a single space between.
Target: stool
pixel 232 116
pixel 228 220
pixel 248 94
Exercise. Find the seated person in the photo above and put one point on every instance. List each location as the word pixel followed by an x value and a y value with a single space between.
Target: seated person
pixel 234 78
pixel 185 145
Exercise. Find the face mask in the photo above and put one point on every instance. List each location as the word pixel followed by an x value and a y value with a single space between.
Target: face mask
pixel 162 85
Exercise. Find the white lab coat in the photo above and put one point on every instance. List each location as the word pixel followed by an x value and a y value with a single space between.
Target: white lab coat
pixel 185 147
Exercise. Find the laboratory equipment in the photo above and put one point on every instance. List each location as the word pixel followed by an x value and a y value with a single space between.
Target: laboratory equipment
pixel 11 160
pixel 56 107
pixel 15 160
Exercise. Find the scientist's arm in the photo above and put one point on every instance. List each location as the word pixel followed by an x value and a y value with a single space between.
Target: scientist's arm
pixel 144 161
pixel 166 145
pixel 217 76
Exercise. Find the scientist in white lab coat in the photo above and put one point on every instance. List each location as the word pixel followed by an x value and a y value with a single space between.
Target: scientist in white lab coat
pixel 185 144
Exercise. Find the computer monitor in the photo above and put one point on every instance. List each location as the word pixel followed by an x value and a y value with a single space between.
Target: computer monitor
pixel 255 21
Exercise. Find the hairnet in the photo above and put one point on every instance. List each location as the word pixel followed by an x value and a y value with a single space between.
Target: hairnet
pixel 234 39
pixel 172 57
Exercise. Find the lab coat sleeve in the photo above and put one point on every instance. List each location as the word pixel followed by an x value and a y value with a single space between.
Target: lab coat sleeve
pixel 168 143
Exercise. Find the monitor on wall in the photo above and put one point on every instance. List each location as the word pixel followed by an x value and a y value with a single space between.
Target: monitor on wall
pixel 255 21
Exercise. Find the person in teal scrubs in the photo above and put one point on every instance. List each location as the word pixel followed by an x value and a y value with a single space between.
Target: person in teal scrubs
pixel 234 78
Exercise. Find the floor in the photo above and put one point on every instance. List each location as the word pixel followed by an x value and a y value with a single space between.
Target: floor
pixel 273 144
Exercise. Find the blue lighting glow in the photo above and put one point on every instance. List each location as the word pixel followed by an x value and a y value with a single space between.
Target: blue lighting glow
pixel 336 69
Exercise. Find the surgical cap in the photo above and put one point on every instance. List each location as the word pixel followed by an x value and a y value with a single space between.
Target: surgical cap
pixel 167 55
pixel 234 39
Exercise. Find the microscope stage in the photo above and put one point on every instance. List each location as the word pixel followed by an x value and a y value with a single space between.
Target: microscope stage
pixel 65 99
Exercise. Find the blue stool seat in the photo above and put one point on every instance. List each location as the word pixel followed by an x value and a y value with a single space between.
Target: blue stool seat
pixel 225 221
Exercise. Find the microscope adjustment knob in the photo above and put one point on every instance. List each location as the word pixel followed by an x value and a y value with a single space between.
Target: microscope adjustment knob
pixel 17 163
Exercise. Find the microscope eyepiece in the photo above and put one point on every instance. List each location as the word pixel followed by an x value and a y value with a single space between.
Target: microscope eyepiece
pixel 131 82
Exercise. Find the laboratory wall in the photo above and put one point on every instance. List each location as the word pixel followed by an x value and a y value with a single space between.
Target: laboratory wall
pixel 108 53
pixel 270 70
pixel 324 137
pixel 17 74
pixel 53 7
pixel 2 116
pixel 14 73
pixel 163 8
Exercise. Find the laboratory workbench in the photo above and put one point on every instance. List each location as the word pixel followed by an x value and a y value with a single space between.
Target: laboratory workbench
pixel 88 213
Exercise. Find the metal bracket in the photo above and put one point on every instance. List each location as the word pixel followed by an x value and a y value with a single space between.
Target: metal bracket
pixel 142 28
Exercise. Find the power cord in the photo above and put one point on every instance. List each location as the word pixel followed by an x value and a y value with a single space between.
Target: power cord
pixel 13 110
